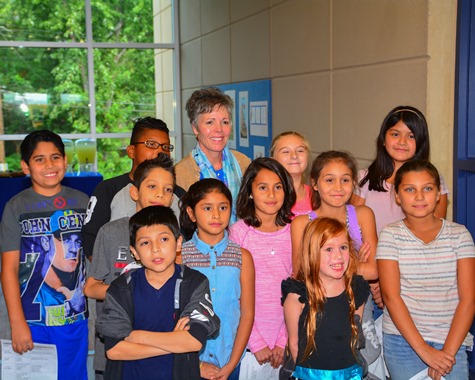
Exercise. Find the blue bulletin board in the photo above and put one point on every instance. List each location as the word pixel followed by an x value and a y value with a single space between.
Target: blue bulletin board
pixel 252 117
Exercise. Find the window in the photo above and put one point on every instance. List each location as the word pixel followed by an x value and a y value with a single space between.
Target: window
pixel 87 68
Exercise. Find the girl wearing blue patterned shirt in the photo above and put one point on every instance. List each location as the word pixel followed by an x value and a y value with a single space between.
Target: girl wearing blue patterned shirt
pixel 205 214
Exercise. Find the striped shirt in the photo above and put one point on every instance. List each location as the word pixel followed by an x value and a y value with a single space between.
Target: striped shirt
pixel 428 276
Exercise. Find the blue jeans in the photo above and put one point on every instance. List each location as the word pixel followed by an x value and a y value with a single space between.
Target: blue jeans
pixel 403 362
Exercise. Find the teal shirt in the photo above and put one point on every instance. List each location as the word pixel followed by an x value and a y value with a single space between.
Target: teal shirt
pixel 222 265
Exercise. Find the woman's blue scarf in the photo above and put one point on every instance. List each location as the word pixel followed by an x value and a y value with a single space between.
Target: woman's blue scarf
pixel 232 173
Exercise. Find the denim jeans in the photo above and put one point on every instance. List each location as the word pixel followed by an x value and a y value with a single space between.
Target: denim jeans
pixel 403 362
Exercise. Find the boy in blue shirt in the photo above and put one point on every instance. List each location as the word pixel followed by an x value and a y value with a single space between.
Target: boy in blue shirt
pixel 155 319
pixel 154 182
pixel 42 258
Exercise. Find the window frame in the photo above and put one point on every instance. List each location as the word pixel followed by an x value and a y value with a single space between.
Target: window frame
pixel 90 45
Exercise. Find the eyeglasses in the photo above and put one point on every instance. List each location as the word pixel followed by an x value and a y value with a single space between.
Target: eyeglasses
pixel 155 145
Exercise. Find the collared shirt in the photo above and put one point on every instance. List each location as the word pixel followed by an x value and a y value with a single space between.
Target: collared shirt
pixel 222 264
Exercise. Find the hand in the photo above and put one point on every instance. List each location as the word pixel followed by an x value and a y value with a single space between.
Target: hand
pixel 263 356
pixel 376 292
pixel 139 336
pixel 223 373
pixel 433 374
pixel 182 324
pixel 136 336
pixel 437 360
pixel 208 370
pixel 21 338
pixel 364 252
pixel 277 357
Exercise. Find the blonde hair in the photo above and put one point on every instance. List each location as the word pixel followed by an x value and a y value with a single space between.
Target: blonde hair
pixel 315 235
pixel 276 139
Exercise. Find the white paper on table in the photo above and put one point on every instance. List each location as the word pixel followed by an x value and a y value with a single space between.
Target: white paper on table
pixel 423 375
pixel 41 363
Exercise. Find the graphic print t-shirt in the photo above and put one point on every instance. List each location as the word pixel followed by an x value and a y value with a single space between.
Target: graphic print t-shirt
pixel 47 232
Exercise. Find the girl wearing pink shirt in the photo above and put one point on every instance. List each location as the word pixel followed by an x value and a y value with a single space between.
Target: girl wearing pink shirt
pixel 403 136
pixel 264 202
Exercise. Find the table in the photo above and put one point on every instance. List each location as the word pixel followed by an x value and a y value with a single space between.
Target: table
pixel 10 186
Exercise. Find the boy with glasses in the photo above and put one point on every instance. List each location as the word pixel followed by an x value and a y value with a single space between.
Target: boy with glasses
pixel 111 199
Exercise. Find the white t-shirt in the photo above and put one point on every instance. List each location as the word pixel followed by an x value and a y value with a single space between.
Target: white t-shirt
pixel 428 276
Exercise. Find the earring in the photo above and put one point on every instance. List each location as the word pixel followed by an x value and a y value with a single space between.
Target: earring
pixel 251 197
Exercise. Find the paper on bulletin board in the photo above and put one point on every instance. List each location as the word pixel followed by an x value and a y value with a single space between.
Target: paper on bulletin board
pixel 232 136
pixel 259 151
pixel 244 118
pixel 259 119
pixel 244 94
